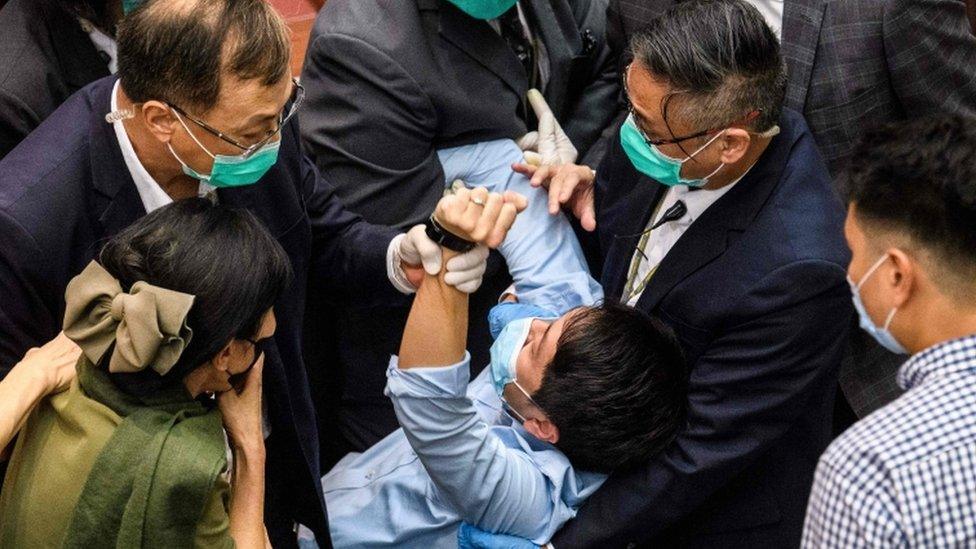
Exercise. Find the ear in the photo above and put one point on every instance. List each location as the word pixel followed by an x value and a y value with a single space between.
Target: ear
pixel 735 144
pixel 223 359
pixel 159 120
pixel 542 429
pixel 902 278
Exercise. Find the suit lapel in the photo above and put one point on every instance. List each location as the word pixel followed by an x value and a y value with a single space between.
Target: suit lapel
pixel 801 30
pixel 80 61
pixel 708 237
pixel 631 214
pixel 555 26
pixel 480 42
pixel 116 196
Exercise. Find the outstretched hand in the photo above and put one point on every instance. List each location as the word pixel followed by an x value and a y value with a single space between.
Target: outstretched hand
pixel 569 185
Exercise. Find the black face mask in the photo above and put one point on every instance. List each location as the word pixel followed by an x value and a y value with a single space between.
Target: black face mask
pixel 237 380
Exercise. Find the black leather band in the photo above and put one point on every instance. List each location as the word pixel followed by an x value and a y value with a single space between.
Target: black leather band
pixel 441 236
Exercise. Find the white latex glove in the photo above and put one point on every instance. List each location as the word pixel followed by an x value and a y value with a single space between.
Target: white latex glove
pixel 415 248
pixel 549 146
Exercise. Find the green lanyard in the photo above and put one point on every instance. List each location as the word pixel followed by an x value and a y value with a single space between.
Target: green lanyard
pixel 629 290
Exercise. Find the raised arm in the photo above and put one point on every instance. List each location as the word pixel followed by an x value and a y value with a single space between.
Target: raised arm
pixel 488 484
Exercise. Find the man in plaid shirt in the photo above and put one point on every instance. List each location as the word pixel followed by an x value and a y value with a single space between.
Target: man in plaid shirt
pixel 905 476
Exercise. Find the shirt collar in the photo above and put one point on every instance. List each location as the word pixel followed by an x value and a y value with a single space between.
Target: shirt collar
pixel 697 200
pixel 947 358
pixel 152 195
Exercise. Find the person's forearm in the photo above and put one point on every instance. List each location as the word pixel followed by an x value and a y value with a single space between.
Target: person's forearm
pixel 247 496
pixel 437 328
pixel 20 391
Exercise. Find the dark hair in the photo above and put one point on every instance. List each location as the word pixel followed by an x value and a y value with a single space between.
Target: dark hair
pixel 721 60
pixel 918 178
pixel 223 256
pixel 617 388
pixel 177 52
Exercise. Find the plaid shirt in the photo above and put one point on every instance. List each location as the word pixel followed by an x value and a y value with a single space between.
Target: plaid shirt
pixel 905 476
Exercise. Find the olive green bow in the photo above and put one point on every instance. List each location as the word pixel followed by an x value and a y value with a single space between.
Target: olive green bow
pixel 147 324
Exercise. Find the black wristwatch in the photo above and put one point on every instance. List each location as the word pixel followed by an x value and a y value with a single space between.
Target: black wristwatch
pixel 447 239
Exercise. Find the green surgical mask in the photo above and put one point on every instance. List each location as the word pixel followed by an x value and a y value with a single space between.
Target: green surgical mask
pixel 484 9
pixel 231 171
pixel 129 5
pixel 650 161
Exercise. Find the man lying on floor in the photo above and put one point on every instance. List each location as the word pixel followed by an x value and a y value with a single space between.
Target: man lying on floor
pixel 594 389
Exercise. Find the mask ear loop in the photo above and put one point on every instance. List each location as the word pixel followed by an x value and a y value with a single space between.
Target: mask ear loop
pixel 193 137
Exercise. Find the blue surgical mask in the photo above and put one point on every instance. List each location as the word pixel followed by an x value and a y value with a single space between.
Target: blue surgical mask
pixel 650 161
pixel 231 171
pixel 504 356
pixel 502 314
pixel 882 335
pixel 484 9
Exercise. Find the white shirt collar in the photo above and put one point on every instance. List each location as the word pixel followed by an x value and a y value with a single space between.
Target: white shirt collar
pixel 697 200
pixel 153 196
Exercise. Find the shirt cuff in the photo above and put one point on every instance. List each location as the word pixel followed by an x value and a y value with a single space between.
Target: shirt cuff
pixel 428 382
pixel 394 267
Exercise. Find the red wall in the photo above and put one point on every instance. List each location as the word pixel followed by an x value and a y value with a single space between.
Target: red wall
pixel 300 15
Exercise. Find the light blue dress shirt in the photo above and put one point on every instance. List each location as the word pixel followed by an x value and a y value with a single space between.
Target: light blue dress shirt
pixel 475 464
pixel 541 250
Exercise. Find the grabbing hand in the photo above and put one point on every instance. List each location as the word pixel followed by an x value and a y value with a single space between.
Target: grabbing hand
pixel 479 216
pixel 569 185
pixel 549 146
pixel 418 253
pixel 55 361
pixel 242 411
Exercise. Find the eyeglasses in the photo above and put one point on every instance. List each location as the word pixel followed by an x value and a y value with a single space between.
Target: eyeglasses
pixel 237 380
pixel 658 142
pixel 297 97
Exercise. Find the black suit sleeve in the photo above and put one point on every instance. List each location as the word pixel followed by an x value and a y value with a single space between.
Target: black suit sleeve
pixel 28 313
pixel 931 56
pixel 598 102
pixel 16 121
pixel 370 127
pixel 745 392
pixel 348 254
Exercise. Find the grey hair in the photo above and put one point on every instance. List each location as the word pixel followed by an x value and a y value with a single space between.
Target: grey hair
pixel 721 61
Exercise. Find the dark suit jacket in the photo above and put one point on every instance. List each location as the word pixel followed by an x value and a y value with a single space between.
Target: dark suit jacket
pixel 854 64
pixel 44 58
pixel 66 189
pixel 756 292
pixel 392 81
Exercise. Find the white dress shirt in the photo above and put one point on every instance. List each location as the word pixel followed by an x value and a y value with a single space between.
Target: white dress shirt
pixel 153 196
pixel 660 241
pixel 772 11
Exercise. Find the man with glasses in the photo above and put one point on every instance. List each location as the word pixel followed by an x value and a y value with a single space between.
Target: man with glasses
pixel 203 106
pixel 714 211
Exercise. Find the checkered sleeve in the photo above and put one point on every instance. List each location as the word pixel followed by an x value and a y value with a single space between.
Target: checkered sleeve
pixel 844 513
pixel 931 56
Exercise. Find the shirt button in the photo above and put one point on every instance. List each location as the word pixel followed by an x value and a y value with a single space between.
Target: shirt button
pixel 370 474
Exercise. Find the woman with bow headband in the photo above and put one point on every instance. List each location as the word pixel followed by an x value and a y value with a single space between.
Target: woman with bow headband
pixel 171 321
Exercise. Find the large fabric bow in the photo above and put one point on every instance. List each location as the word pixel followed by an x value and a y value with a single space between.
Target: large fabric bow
pixel 147 324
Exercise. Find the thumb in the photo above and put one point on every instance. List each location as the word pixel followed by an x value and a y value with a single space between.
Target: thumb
pixel 528 142
pixel 586 211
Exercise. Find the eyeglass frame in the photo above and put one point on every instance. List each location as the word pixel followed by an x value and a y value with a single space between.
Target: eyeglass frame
pixel 752 115
pixel 298 93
